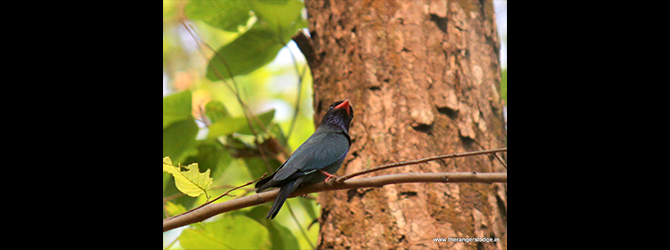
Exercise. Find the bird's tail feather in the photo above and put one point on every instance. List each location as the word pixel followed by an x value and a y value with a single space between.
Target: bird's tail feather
pixel 284 192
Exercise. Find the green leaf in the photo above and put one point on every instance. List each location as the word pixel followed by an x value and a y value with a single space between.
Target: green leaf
pixel 179 139
pixel 250 51
pixel 277 21
pixel 190 182
pixel 265 119
pixel 179 127
pixel 176 107
pixel 211 156
pixel 280 236
pixel 226 127
pixel 226 15
pixel 278 134
pixel 215 111
pixel 174 209
pixel 239 147
pixel 228 232
pixel 257 167
pixel 309 207
pixel 229 125
pixel 283 17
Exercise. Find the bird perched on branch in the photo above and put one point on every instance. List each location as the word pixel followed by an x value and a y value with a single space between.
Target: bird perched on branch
pixel 317 159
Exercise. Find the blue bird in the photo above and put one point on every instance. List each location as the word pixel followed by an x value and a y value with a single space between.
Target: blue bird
pixel 317 158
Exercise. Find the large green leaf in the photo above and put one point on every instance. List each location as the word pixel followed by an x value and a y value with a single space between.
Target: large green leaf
pixel 283 17
pixel 228 232
pixel 250 51
pixel 226 126
pixel 231 125
pixel 176 107
pixel 276 22
pixel 226 15
pixel 179 139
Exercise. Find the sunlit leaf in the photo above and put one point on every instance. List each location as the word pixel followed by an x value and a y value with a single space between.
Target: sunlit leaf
pixel 226 15
pixel 190 182
pixel 283 17
pixel 277 22
pixel 174 209
pixel 226 126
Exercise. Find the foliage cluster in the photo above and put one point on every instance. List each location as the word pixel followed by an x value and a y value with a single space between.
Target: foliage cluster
pixel 200 162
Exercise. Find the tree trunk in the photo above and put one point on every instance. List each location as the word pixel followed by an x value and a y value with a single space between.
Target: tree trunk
pixel 423 79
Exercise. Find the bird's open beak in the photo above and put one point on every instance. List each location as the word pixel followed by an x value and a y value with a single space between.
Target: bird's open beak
pixel 345 105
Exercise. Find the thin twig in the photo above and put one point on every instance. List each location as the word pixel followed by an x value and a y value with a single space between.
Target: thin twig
pixel 422 160
pixel 302 230
pixel 245 108
pixel 220 196
pixel 235 90
pixel 376 181
pixel 177 195
pixel 297 102
pixel 501 161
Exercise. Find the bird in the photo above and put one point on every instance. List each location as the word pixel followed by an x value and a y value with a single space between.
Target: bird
pixel 317 159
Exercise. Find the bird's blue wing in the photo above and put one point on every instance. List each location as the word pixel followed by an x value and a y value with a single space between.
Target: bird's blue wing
pixel 318 152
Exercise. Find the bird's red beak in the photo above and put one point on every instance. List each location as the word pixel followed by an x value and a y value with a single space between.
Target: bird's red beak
pixel 345 105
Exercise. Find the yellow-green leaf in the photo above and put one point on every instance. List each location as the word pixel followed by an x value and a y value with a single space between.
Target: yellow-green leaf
pixel 190 182
pixel 174 209
pixel 167 160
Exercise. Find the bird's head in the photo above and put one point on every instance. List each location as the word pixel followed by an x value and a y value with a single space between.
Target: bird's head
pixel 339 115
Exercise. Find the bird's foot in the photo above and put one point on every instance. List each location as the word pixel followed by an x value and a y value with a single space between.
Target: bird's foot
pixel 329 175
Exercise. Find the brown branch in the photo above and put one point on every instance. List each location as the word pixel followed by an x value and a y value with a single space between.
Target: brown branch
pixel 306 46
pixel 417 161
pixel 376 181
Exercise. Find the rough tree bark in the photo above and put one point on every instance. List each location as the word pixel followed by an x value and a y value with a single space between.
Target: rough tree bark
pixel 423 79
